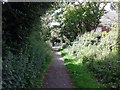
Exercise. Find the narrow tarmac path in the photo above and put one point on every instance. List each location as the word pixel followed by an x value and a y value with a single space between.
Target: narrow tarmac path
pixel 57 76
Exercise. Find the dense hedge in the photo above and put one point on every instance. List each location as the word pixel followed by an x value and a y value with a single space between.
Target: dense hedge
pixel 24 49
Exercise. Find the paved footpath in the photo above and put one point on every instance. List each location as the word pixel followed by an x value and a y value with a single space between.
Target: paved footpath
pixel 57 75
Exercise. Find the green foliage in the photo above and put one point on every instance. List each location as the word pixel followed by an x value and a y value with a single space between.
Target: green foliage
pixel 77 19
pixel 24 48
pixel 37 82
pixel 19 19
pixel 100 55
pixel 80 74
pixel 119 40
pixel 21 70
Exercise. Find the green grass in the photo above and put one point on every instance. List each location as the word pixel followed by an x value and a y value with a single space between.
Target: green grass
pixel 79 73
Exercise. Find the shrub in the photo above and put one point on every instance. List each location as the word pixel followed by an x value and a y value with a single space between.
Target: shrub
pixel 20 70
pixel 24 43
pixel 100 56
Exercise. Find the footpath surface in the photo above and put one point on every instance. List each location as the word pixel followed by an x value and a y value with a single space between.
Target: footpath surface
pixel 57 75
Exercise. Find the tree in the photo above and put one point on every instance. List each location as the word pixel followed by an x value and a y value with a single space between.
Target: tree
pixel 80 18
pixel 18 21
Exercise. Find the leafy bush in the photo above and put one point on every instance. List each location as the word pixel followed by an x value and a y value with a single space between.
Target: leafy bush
pixel 100 55
pixel 24 44
pixel 19 71
pixel 79 73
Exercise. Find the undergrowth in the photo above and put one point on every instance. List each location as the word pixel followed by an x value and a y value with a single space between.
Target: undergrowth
pixel 21 70
pixel 25 52
pixel 98 51
pixel 79 73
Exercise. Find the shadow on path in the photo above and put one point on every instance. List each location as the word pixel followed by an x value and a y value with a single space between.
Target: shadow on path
pixel 57 76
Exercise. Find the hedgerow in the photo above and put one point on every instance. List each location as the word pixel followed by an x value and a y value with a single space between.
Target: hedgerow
pixel 24 47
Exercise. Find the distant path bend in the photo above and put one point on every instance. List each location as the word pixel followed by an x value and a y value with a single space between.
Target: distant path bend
pixel 57 76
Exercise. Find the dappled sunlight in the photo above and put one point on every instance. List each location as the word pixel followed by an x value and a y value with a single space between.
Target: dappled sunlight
pixel 99 69
pixel 56 47
pixel 58 53
pixel 99 55
pixel 61 58
pixel 80 75
pixel 81 35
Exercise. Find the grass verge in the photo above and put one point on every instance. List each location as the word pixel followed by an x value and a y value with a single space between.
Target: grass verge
pixel 79 73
